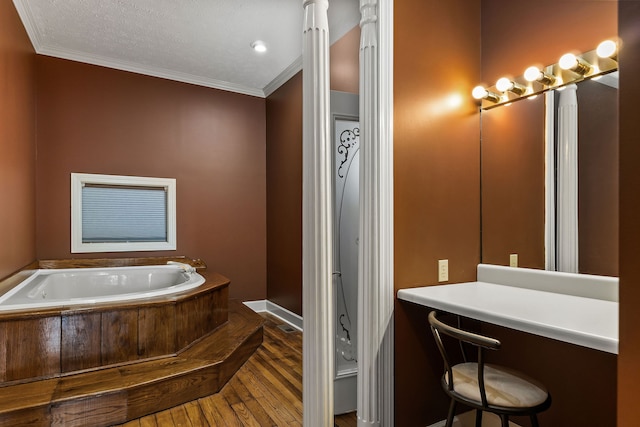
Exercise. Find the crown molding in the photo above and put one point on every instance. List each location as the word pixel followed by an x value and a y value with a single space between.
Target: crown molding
pixel 27 20
pixel 283 77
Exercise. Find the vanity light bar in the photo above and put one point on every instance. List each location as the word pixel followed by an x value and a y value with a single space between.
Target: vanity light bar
pixel 571 68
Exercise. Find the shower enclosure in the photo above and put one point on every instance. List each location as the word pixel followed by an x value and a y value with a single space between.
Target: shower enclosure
pixel 346 182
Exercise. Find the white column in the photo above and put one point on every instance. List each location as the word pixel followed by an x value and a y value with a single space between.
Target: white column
pixel 317 236
pixel 567 203
pixel 375 283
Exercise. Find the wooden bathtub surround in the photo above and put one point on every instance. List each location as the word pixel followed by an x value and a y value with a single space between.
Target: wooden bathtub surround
pixel 117 394
pixel 101 364
pixel 84 337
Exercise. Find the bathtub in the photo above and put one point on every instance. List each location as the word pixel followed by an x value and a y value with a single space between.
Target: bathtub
pixel 82 286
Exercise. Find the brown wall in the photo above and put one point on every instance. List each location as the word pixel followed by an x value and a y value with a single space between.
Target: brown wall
pixel 17 143
pixel 436 181
pixel 98 120
pixel 284 172
pixel 344 62
pixel 629 354
pixel 284 195
pixel 582 381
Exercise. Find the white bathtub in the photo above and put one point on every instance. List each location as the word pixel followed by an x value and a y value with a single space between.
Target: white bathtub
pixel 75 286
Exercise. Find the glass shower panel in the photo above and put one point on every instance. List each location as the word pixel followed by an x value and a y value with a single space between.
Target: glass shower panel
pixel 346 235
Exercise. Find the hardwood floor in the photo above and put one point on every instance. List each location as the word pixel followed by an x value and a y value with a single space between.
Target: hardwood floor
pixel 266 391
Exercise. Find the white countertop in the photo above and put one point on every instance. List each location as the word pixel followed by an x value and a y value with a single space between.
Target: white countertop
pixel 588 322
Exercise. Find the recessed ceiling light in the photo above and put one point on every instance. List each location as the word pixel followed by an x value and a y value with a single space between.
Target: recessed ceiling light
pixel 259 46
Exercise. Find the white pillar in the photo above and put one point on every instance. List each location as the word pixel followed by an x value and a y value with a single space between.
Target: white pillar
pixel 317 235
pixel 567 203
pixel 375 283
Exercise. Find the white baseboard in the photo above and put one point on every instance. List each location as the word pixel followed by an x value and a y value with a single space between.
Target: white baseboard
pixel 281 313
pixel 468 419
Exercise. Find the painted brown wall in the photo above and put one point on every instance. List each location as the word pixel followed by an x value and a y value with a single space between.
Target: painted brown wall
pixel 98 120
pixel 17 143
pixel 284 172
pixel 284 195
pixel 582 381
pixel 436 181
pixel 629 354
pixel 344 67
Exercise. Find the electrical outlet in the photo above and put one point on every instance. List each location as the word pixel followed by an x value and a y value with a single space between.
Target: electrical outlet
pixel 513 260
pixel 443 270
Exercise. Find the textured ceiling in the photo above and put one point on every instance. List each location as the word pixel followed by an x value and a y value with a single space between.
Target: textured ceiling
pixel 205 42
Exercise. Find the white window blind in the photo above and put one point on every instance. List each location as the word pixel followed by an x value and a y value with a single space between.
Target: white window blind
pixel 116 214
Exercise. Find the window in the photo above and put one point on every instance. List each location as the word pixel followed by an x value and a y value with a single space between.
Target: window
pixel 111 213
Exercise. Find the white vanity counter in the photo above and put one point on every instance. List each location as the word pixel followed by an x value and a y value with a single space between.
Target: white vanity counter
pixel 579 309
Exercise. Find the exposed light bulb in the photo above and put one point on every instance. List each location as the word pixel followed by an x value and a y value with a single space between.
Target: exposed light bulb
pixel 607 49
pixel 532 74
pixel 479 92
pixel 569 61
pixel 504 84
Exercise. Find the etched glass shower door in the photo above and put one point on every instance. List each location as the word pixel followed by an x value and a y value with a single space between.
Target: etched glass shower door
pixel 346 177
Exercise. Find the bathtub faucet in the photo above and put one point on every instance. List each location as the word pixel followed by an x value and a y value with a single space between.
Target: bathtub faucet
pixel 186 267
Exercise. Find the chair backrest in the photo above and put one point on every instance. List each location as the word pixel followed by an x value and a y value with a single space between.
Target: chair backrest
pixel 480 341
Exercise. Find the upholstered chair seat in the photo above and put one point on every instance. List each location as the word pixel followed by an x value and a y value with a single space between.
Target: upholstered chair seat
pixel 504 387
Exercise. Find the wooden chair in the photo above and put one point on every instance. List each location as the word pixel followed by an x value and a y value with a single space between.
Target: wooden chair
pixel 483 386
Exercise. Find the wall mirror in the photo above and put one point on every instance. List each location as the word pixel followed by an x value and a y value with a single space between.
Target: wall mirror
pixel 517 204
pixel 522 186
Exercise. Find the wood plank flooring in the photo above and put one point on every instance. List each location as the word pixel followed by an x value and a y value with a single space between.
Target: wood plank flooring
pixel 265 392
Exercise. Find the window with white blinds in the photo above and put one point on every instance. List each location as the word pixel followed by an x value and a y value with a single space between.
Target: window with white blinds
pixel 111 213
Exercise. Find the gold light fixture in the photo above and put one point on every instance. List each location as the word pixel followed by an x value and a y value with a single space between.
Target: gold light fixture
pixel 505 84
pixel 480 92
pixel 571 68
pixel 569 61
pixel 535 74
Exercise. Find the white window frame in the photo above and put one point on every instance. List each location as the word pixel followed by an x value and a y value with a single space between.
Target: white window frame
pixel 79 180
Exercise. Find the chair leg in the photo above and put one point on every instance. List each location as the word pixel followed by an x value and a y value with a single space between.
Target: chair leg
pixel 534 420
pixel 478 418
pixel 505 420
pixel 452 411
